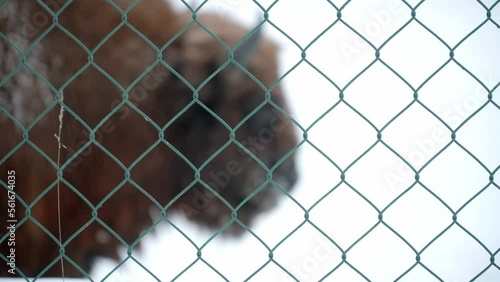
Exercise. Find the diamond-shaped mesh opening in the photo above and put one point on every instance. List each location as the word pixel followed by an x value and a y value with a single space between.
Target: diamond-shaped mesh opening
pixel 314 99
pixel 404 53
pixel 203 42
pixel 427 137
pixel 41 63
pixel 259 256
pixel 446 247
pixel 281 230
pixel 380 185
pixel 368 94
pixel 433 219
pixel 88 177
pixel 349 212
pixel 320 254
pixel 457 101
pixel 353 135
pixel 91 81
pixel 196 121
pixel 268 134
pixel 123 197
pixel 389 256
pixel 142 56
pixel 125 143
pixel 242 184
pixel 443 177
pixel 348 60
pixel 160 95
pixel 151 174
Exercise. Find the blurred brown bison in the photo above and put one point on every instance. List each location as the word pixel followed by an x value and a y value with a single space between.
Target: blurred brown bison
pixel 146 129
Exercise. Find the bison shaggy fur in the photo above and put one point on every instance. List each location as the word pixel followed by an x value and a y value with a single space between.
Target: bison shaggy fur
pixel 160 116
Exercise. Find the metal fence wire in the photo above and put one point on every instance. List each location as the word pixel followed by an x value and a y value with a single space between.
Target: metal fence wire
pixel 343 100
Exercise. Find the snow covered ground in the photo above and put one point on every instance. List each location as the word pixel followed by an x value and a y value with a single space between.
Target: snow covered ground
pixel 380 176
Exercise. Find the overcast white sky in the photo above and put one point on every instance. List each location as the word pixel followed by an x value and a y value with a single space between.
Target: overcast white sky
pixel 380 176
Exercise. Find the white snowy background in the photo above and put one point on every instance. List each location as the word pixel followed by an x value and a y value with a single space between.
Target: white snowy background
pixel 379 175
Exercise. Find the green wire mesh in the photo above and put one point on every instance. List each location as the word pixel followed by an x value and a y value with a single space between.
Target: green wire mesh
pixel 377 50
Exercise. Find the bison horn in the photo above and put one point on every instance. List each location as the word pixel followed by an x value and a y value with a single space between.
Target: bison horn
pixel 243 53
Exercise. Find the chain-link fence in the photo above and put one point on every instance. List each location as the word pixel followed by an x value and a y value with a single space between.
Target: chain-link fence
pixel 218 161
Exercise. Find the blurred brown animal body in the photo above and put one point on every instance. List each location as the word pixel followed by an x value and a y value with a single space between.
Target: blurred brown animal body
pixel 81 70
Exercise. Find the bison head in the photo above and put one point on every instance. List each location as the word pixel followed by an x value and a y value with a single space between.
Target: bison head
pixel 229 124
pixel 206 131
